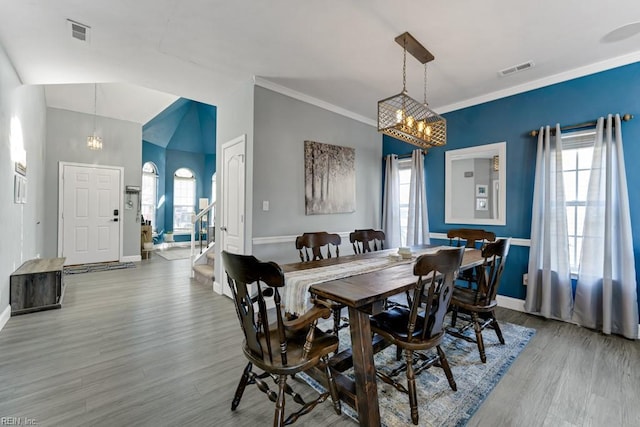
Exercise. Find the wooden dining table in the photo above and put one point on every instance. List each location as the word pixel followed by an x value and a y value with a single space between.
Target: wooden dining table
pixel 364 295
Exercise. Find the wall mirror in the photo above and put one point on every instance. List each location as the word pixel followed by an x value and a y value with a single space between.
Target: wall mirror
pixel 475 185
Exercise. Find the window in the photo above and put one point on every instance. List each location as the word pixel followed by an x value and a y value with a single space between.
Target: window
pixel 404 169
pixel 184 200
pixel 149 193
pixel 577 153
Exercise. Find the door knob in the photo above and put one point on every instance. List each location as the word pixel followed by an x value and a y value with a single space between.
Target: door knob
pixel 223 228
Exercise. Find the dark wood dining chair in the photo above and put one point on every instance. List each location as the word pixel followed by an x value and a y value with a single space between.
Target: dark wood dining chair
pixel 478 305
pixel 280 348
pixel 362 240
pixel 470 238
pixel 421 327
pixel 315 242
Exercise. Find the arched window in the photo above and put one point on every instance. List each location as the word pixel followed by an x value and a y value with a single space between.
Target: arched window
pixel 149 193
pixel 184 199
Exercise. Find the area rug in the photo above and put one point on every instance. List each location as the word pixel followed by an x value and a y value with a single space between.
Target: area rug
pixel 438 405
pixel 174 253
pixel 99 266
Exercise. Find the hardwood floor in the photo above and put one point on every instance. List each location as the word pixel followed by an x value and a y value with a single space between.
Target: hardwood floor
pixel 149 346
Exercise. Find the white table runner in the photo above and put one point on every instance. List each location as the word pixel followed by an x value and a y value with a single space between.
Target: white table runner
pixel 297 283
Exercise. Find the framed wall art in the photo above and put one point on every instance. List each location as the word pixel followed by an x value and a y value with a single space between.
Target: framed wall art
pixel 330 178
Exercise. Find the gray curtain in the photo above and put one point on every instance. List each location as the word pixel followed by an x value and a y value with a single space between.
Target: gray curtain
pixel 391 203
pixel 549 286
pixel 418 219
pixel 606 294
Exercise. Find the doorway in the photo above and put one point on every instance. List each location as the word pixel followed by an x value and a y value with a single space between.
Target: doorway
pixel 89 213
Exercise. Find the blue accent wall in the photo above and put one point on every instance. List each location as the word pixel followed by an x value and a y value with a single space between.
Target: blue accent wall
pixel 181 136
pixel 510 119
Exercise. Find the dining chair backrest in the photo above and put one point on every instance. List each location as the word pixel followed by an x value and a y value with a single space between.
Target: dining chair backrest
pixel 470 236
pixel 436 273
pixel 315 242
pixel 361 240
pixel 243 271
pixel 495 257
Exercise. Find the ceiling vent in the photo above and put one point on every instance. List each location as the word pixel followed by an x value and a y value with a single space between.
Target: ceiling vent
pixel 79 31
pixel 516 68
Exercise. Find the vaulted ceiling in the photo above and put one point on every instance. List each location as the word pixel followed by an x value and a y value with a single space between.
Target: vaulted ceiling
pixel 340 52
pixel 185 125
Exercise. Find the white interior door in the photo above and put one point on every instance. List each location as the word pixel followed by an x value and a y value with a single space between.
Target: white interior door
pixel 90 217
pixel 232 227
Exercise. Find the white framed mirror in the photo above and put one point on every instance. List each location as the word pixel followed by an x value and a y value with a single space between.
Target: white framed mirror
pixel 475 185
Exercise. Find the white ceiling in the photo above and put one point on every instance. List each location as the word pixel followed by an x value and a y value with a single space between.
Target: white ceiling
pixel 339 51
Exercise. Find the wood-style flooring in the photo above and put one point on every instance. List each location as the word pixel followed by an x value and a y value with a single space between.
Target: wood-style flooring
pixel 150 347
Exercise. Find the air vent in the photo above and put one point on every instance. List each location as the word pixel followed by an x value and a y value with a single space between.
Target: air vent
pixel 516 68
pixel 79 31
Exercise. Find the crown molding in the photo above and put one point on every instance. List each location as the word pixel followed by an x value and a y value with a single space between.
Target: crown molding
pixel 546 81
pixel 267 84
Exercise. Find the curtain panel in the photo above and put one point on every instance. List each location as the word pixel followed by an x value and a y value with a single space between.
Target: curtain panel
pixel 391 203
pixel 606 293
pixel 549 285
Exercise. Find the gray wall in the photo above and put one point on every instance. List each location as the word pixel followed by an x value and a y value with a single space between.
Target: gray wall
pixel 22 224
pixel 463 201
pixel 67 133
pixel 281 126
pixel 235 118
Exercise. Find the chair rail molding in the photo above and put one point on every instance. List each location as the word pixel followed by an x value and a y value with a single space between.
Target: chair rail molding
pixel 269 240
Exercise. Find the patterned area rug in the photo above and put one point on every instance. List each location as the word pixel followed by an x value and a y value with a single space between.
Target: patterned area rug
pixel 438 405
pixel 99 266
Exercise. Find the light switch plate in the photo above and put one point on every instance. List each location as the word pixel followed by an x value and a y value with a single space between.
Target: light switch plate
pixel 265 205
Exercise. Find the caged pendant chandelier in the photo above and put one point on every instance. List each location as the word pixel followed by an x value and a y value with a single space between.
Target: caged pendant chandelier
pixel 406 119
pixel 94 142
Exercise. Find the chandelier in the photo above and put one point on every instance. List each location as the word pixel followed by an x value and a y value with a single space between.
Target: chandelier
pixel 94 142
pixel 406 119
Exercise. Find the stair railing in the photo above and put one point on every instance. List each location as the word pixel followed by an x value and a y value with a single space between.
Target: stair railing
pixel 200 226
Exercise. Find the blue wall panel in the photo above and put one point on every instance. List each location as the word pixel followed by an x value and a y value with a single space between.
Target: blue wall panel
pixel 510 119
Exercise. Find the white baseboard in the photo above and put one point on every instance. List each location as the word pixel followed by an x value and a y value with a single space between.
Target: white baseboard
pixel 131 258
pixel 5 316
pixel 217 288
pixel 510 303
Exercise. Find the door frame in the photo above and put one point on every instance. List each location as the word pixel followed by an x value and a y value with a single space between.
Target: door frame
pixel 120 170
pixel 220 287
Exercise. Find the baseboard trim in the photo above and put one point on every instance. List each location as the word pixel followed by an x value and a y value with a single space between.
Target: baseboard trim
pixel 510 303
pixel 5 316
pixel 217 288
pixel 131 258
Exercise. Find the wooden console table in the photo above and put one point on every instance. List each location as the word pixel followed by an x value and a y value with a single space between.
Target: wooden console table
pixel 37 285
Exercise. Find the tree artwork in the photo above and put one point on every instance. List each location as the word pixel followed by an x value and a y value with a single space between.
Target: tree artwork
pixel 330 178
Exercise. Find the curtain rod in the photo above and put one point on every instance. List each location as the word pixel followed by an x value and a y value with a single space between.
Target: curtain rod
pixel 407 155
pixel 624 118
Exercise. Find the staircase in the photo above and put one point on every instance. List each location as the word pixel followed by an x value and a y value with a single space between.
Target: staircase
pixel 203 263
pixel 203 271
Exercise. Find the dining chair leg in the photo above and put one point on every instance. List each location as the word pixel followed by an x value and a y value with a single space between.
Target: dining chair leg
pixel 336 321
pixel 411 385
pixel 478 329
pixel 447 370
pixel 241 386
pixel 496 328
pixel 278 418
pixel 454 316
pixel 333 389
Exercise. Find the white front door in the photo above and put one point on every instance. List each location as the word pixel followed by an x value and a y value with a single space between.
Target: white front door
pixel 232 227
pixel 90 213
